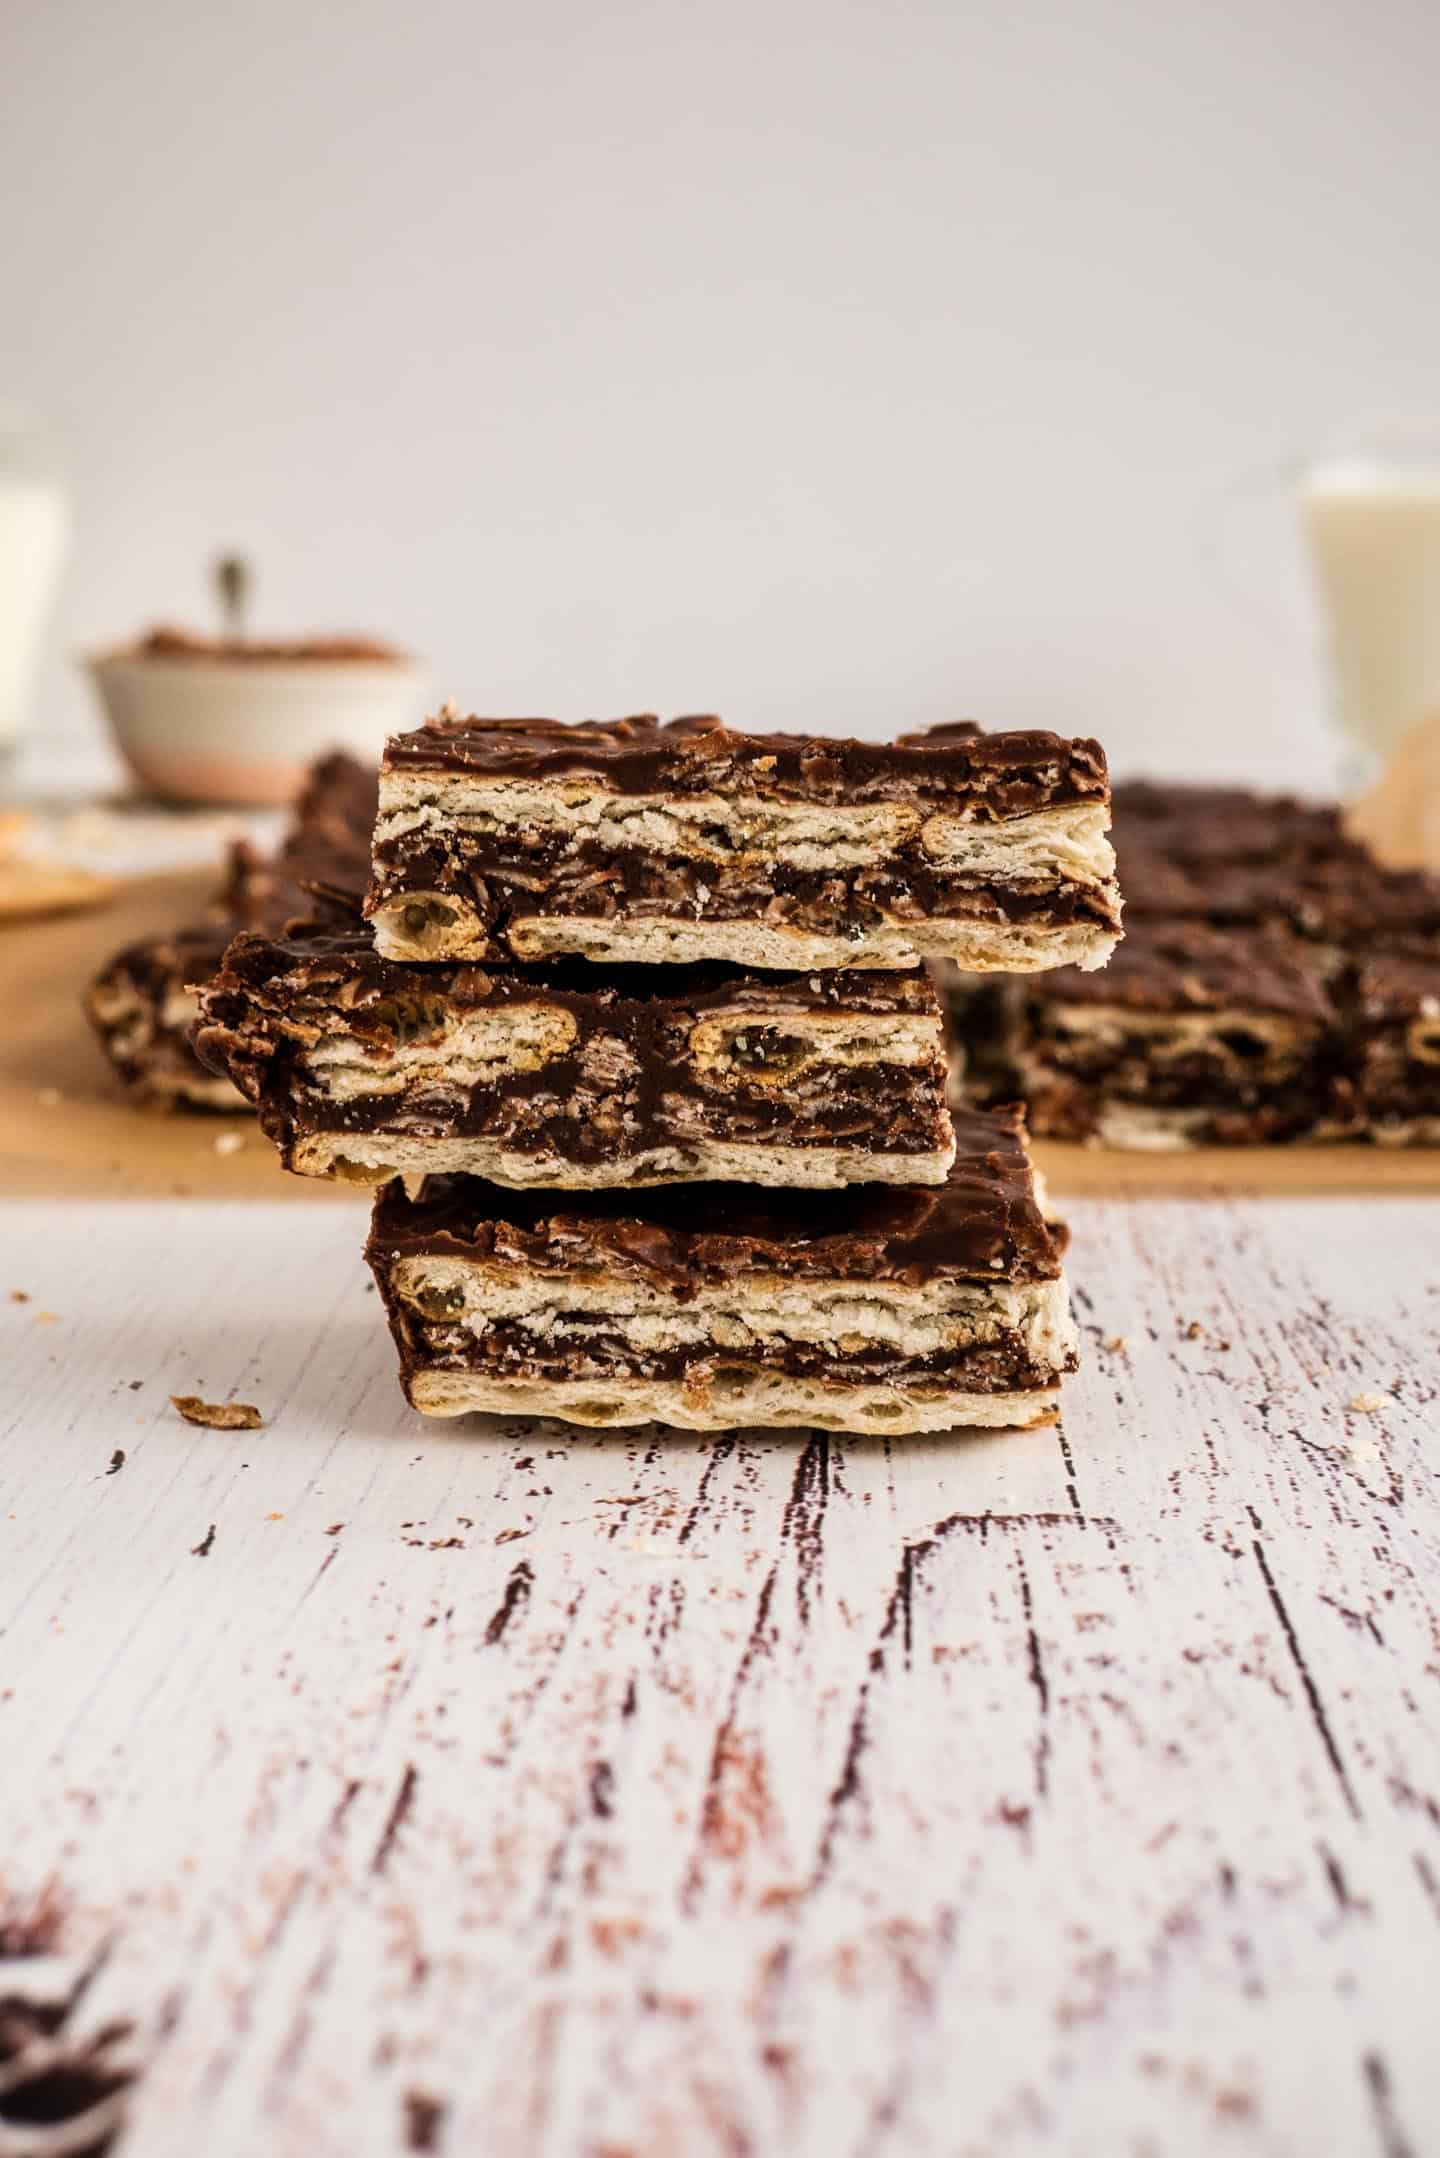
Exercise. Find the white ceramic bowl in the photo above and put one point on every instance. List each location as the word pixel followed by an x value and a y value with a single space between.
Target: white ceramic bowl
pixel 212 729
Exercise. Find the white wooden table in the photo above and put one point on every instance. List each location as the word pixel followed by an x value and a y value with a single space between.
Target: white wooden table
pixel 495 1790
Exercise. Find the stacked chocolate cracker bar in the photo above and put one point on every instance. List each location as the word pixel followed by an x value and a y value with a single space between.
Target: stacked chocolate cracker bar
pixel 627 1174
pixel 1275 983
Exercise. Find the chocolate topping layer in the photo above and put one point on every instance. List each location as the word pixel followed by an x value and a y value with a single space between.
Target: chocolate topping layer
pixel 1398 985
pixel 1184 966
pixel 1002 775
pixel 982 1224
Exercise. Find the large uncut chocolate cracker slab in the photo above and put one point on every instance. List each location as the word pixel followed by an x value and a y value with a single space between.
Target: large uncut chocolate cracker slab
pixel 143 1003
pixel 1193 1035
pixel 1395 1019
pixel 1227 856
pixel 686 841
pixel 1202 825
pixel 580 1076
pixel 876 1309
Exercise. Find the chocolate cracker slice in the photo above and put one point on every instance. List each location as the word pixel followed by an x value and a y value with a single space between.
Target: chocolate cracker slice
pixel 143 1003
pixel 878 1309
pixel 1396 1029
pixel 1193 1035
pixel 577 1076
pixel 688 841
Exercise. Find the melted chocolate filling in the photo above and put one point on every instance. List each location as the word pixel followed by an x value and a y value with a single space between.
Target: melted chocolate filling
pixel 598 883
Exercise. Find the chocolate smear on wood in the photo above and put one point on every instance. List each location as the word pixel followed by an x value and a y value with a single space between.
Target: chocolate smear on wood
pixel 404 1800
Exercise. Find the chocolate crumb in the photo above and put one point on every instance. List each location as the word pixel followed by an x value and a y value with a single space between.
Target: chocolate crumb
pixel 218 1415
pixel 117 1462
pixel 424 2121
pixel 206 1545
pixel 19 1296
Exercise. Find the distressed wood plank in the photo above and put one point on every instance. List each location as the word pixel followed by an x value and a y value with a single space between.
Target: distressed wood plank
pixel 514 1791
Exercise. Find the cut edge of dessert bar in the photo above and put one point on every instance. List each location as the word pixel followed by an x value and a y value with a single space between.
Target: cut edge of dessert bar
pixel 573 1078
pixel 667 843
pixel 877 1310
pixel 143 1003
pixel 142 1006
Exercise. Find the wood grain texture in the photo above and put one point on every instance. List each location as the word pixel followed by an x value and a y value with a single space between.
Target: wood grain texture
pixel 499 1790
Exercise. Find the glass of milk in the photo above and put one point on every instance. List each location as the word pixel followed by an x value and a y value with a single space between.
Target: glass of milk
pixel 32 543
pixel 1372 518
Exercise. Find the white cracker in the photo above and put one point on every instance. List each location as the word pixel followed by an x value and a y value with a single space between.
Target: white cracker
pixel 758 1401
pixel 375 1157
pixel 980 947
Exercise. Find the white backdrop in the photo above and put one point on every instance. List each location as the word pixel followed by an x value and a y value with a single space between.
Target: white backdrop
pixel 826 364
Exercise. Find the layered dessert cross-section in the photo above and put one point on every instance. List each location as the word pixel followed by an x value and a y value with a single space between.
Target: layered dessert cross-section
pixel 687 841
pixel 1193 1035
pixel 873 1310
pixel 143 1002
pixel 579 1076
pixel 1396 1036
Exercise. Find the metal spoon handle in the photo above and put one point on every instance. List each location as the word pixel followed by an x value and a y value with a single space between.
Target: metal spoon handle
pixel 233 586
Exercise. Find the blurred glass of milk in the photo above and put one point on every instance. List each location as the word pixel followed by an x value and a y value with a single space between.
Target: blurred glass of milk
pixel 33 525
pixel 1373 522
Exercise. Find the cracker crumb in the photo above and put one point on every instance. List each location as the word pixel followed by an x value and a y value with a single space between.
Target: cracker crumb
pixel 1194 1331
pixel 274 1517
pixel 219 1415
pixel 1367 1404
pixel 50 1097
pixel 47 1318
pixel 1116 1344
pixel 229 1142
